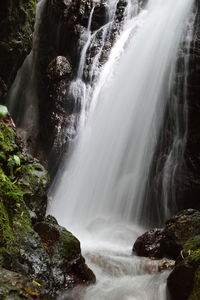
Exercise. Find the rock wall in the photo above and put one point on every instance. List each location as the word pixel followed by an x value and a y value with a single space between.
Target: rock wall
pixel 179 187
pixel 17 19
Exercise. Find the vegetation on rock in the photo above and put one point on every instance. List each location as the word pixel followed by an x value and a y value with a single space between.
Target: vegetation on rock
pixel 184 281
pixel 30 244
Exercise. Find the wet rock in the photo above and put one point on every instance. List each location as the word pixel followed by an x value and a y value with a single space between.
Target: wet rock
pixel 184 281
pixel 61 114
pixel 15 286
pixel 149 244
pixel 33 181
pixel 16 28
pixel 99 16
pixel 58 68
pixel 67 264
pixel 169 241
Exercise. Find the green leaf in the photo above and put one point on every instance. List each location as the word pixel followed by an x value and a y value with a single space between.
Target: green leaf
pixel 17 160
pixel 3 111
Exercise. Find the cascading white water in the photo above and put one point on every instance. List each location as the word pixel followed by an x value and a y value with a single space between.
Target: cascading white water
pixel 108 169
pixel 101 190
pixel 81 90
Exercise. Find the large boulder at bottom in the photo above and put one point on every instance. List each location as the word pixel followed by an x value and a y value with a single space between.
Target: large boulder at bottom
pixel 184 281
pixel 169 241
pixel 67 264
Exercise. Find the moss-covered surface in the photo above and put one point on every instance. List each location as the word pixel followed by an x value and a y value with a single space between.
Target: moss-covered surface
pixel 30 244
pixel 17 19
pixel 191 255
pixel 21 249
pixel 184 281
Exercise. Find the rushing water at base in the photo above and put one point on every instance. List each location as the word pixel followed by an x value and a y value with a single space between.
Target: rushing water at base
pixel 100 194
pixel 120 275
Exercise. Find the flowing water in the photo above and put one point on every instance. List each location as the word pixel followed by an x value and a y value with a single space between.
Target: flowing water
pixel 23 95
pixel 99 196
pixel 108 168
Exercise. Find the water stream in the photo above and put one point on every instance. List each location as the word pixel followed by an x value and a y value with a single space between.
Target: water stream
pixel 99 196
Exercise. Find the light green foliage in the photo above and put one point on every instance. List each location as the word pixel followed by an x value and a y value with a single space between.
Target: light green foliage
pixel 3 111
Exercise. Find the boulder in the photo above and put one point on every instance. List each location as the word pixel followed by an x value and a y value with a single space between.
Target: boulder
pixel 169 241
pixel 184 281
pixel 67 264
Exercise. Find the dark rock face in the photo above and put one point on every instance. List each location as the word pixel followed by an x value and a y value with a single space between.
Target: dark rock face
pixel 169 241
pixel 16 27
pixel 183 283
pixel 189 198
pixel 59 114
pixel 180 157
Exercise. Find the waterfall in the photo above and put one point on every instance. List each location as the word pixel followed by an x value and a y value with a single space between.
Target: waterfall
pixel 106 174
pixel 23 98
pixel 99 193
pixel 82 87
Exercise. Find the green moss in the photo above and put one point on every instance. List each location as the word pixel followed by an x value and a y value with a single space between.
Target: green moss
pixel 21 17
pixel 7 139
pixel 69 245
pixel 33 178
pixel 191 250
pixel 13 212
pixel 196 290
pixel 191 257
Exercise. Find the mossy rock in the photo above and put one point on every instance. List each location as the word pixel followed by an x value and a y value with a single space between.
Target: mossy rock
pixel 33 181
pixel 67 264
pixel 184 281
pixel 15 286
pixel 12 210
pixel 8 139
pixel 17 18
